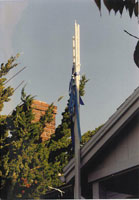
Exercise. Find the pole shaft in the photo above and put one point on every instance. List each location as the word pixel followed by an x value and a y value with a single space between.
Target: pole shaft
pixel 77 187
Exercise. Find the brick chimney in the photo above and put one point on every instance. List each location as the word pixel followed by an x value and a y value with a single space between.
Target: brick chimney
pixel 38 109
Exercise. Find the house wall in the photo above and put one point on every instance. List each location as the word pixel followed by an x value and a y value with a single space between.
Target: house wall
pixel 124 184
pixel 114 172
pixel 121 154
pixel 39 108
pixel 110 159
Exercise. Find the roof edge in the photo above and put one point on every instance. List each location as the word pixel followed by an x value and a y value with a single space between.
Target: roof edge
pixel 122 109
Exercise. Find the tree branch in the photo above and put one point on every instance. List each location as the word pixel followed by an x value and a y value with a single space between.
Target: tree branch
pixel 57 190
pixel 131 34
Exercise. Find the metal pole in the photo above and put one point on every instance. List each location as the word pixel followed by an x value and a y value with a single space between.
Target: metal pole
pixel 77 186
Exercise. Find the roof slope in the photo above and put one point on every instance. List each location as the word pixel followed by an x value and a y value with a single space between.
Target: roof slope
pixel 126 110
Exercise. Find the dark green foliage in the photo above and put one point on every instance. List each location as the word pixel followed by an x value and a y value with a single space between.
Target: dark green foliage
pixel 83 81
pixel 60 145
pixel 87 136
pixel 25 166
pixel 6 92
pixel 30 167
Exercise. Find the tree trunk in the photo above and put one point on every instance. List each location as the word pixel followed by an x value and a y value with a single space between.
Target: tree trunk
pixel 10 194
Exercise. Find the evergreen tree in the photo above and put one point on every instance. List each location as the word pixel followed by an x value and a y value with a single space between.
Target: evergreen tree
pixel 5 94
pixel 87 136
pixel 25 166
pixel 60 145
pixel 30 167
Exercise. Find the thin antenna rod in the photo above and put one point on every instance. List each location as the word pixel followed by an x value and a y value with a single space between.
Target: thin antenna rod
pixel 19 86
pixel 15 75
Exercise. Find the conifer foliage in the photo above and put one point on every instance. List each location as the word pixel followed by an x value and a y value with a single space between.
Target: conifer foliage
pixel 30 167
pixel 60 145
pixel 25 166
pixel 6 92
pixel 87 136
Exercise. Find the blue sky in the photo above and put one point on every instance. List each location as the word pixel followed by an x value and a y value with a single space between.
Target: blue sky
pixel 42 30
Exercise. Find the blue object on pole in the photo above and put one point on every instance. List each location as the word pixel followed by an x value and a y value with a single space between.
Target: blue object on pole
pixel 73 106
